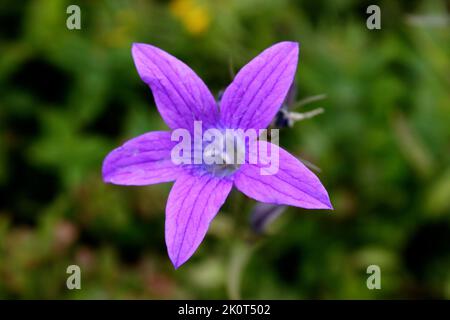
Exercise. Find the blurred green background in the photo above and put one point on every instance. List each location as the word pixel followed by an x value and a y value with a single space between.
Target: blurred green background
pixel 67 97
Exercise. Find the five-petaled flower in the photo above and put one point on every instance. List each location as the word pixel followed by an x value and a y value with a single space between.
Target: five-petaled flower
pixel 250 101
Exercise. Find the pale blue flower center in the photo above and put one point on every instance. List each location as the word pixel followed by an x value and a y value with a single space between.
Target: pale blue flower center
pixel 227 156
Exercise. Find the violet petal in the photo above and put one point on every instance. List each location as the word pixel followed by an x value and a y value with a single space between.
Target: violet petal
pixel 260 87
pixel 294 184
pixel 192 204
pixel 180 95
pixel 143 160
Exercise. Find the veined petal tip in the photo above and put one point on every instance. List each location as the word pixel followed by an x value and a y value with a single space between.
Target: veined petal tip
pixel 292 44
pixel 326 204
pixel 177 262
pixel 138 50
pixel 321 206
pixel 107 179
pixel 105 176
pixel 176 257
pixel 106 168
pixel 136 45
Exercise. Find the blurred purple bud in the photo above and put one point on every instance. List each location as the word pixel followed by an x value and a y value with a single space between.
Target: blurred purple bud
pixel 281 119
pixel 264 214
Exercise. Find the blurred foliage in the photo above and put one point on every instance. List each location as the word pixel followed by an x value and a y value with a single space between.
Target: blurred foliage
pixel 67 97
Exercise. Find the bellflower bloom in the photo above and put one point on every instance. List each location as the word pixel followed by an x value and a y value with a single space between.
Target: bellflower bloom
pixel 250 102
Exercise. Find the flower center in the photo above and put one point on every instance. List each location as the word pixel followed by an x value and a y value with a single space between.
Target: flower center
pixel 224 156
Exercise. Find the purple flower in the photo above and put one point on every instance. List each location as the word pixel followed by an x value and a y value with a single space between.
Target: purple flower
pixel 250 101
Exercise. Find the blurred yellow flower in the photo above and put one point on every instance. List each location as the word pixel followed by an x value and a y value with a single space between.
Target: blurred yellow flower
pixel 193 15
